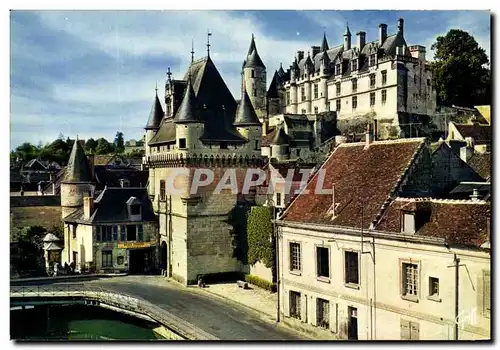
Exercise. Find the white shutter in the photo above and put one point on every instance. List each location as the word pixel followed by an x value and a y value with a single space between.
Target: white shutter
pixel 405 330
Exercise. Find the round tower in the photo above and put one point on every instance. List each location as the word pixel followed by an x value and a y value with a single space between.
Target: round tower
pixel 254 77
pixel 248 125
pixel 280 145
pixel 153 125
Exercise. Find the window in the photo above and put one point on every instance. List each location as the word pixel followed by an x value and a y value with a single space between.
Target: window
pixel 303 111
pixel 408 223
pixel 73 227
pixel 354 65
pixel 256 145
pixel 433 287
pixel 328 106
pixel 107 258
pixel 372 80
pixel 135 209
pixel 315 110
pixel 372 99
pixel 338 69
pixel 131 233
pixel 428 82
pixel 140 234
pixel 409 330
pixel 303 93
pixel 354 85
pixel 337 88
pixel 295 304
pixel 351 268
pixel 337 104
pixel 323 313
pixel 372 60
pixel 410 280
pixel 352 323
pixel 115 233
pixel 323 262
pixel 384 77
pixel 278 199
pixel 315 90
pixel 288 98
pixel 162 190
pixel 182 143
pixel 295 256
pixel 297 151
pixel 384 96
pixel 254 92
pixel 123 231
pixel 223 145
pixel 484 294
pixel 354 102
pixel 253 73
pixel 98 236
pixel 106 233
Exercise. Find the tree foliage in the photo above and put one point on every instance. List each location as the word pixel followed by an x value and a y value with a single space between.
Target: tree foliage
pixel 90 146
pixel 103 146
pixel 260 236
pixel 460 71
pixel 119 142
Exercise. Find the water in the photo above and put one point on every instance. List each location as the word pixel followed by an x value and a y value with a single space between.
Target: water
pixel 78 322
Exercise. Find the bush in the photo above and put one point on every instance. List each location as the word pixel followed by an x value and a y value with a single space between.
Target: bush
pixel 261 283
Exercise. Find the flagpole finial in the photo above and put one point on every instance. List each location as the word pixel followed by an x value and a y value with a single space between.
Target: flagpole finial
pixel 208 42
pixel 192 50
pixel 156 86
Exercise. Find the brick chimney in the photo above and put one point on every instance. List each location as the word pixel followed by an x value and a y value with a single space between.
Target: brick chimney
pixel 361 38
pixel 314 50
pixel 300 55
pixel 401 26
pixel 91 166
pixel 88 207
pixel 382 33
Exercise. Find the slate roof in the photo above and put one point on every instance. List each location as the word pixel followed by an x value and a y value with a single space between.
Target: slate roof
pixel 273 91
pixel 155 115
pixel 324 44
pixel 364 178
pixel 111 177
pixel 253 59
pixel 459 222
pixel 189 110
pixel 280 137
pixel 481 163
pixel 111 207
pixel 266 139
pixel 165 134
pixel 78 169
pixel 245 114
pixel 480 133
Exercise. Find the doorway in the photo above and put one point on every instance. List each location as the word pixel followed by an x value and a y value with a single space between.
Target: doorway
pixel 163 256
pixel 352 327
pixel 140 261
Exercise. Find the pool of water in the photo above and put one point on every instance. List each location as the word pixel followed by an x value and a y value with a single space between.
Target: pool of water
pixel 78 322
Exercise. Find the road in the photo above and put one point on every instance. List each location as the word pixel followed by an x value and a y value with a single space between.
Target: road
pixel 196 307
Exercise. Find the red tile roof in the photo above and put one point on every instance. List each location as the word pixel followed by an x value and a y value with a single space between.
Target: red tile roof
pixel 480 133
pixel 360 175
pixel 461 222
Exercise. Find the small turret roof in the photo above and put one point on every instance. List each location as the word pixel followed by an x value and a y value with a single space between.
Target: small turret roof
pixel 188 111
pixel 272 92
pixel 78 169
pixel 252 46
pixel 324 44
pixel 280 138
pixel 254 60
pixel 281 71
pixel 347 31
pixel 155 115
pixel 245 113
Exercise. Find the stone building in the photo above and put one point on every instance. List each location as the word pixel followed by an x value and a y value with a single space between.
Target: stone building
pixel 384 81
pixel 379 258
pixel 202 127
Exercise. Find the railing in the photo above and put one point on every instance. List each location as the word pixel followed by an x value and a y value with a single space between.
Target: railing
pixel 120 300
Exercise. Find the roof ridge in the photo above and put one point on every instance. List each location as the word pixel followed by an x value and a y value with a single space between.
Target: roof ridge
pixel 441 200
pixel 383 142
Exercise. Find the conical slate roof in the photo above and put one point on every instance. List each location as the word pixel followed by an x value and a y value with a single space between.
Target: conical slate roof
pixel 252 46
pixel 273 92
pixel 254 60
pixel 281 72
pixel 156 114
pixel 245 114
pixel 280 138
pixel 324 44
pixel 347 31
pixel 78 169
pixel 188 111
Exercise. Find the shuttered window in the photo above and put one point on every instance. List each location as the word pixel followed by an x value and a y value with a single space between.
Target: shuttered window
pixel 410 330
pixel 123 232
pixel 295 305
pixel 484 294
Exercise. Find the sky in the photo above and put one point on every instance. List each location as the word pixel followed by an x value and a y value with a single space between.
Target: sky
pixel 92 73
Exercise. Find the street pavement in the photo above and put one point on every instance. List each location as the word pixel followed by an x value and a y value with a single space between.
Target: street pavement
pixel 214 316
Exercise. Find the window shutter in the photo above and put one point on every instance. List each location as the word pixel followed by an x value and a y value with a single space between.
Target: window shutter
pixel 405 330
pixel 333 317
pixel 480 294
pixel 414 331
pixel 486 293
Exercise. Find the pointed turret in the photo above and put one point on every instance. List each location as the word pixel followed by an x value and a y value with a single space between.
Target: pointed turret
pixel 324 44
pixel 252 46
pixel 253 59
pixel 272 92
pixel 347 38
pixel 78 169
pixel 245 113
pixel 280 138
pixel 155 115
pixel 281 71
pixel 188 111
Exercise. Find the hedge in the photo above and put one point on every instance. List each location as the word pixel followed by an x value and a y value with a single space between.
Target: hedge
pixel 261 283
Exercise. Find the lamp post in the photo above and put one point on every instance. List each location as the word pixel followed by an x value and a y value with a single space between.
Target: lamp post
pixel 270 202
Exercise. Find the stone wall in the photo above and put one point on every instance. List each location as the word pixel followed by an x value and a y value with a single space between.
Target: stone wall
pixel 35 201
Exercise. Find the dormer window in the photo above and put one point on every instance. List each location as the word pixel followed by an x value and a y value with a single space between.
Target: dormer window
pixel 135 209
pixel 372 60
pixel 338 69
pixel 407 222
pixel 354 65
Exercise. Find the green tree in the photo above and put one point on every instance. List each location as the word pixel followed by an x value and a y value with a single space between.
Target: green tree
pixel 90 145
pixel 119 143
pixel 137 153
pixel 460 71
pixel 27 151
pixel 260 236
pixel 103 146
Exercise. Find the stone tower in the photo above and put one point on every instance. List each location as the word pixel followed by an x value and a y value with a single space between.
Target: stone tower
pixel 155 117
pixel 280 144
pixel 254 80
pixel 347 38
pixel 248 125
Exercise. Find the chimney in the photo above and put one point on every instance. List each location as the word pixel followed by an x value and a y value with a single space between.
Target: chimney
pixel 401 28
pixel 315 50
pixel 300 55
pixel 88 207
pixel 369 135
pixel 418 52
pixel 91 166
pixel 382 33
pixel 475 195
pixel 361 40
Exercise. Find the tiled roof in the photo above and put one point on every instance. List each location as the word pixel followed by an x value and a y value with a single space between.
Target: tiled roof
pixel 78 169
pixel 480 133
pixel 460 222
pixel 481 163
pixel 364 179
pixel 103 159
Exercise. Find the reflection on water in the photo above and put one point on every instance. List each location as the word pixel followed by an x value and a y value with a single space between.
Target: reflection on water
pixel 78 322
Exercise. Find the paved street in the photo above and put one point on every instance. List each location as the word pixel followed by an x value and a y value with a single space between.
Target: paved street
pixel 227 322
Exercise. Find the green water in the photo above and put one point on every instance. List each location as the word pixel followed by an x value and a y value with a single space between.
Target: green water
pixel 78 322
